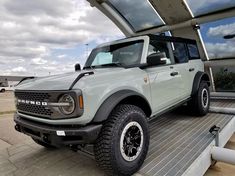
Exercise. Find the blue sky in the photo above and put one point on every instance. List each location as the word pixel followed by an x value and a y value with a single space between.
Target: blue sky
pixel 54 38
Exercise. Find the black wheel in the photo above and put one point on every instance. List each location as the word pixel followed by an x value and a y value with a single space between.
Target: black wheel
pixel 200 102
pixel 122 145
pixel 3 90
pixel 44 144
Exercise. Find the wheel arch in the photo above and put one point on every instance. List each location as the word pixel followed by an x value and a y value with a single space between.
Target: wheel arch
pixel 122 97
pixel 200 76
pixel 2 90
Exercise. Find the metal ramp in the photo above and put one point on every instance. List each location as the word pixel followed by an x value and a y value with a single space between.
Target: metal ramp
pixel 177 141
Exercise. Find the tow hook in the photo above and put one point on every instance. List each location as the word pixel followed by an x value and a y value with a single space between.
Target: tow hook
pixel 17 128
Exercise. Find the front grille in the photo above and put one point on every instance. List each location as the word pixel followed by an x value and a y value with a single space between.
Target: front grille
pixel 42 111
pixel 35 96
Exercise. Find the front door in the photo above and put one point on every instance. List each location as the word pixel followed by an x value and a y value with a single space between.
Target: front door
pixel 165 80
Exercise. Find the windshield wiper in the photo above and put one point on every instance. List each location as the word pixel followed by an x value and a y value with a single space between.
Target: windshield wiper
pixel 88 67
pixel 114 64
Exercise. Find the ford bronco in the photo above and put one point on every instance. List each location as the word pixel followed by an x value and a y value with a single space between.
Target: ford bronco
pixel 110 101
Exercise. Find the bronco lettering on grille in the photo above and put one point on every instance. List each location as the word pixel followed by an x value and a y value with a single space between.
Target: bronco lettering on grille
pixel 38 103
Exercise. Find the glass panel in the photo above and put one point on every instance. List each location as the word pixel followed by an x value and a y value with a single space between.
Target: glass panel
pixel 193 51
pixel 102 58
pixel 162 49
pixel 138 13
pixel 224 79
pixel 180 53
pixel 214 35
pixel 200 7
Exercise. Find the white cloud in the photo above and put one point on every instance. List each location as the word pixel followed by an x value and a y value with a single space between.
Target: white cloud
pixel 39 61
pixel 222 30
pixel 62 56
pixel 19 70
pixel 31 29
pixel 220 50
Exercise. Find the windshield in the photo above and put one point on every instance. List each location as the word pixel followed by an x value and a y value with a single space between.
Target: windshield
pixel 122 54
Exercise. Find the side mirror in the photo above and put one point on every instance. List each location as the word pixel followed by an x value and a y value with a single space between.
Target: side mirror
pixel 156 59
pixel 77 67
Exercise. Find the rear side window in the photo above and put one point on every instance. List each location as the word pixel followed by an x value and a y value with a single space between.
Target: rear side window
pixel 180 53
pixel 193 51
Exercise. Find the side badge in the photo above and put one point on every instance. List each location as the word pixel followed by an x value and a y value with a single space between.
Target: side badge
pixel 146 80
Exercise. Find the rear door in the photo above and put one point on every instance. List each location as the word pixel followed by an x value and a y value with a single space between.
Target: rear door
pixel 195 62
pixel 182 68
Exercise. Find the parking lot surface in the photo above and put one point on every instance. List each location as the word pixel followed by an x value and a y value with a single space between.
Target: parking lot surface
pixel 7 102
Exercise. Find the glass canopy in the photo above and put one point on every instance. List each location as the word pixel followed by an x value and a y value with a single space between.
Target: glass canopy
pixel 138 13
pixel 201 7
pixel 216 38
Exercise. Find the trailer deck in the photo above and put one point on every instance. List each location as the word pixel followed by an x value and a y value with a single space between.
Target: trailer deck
pixel 177 141
pixel 180 144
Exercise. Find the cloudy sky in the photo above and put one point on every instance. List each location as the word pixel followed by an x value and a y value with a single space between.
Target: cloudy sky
pixel 38 37
pixel 41 36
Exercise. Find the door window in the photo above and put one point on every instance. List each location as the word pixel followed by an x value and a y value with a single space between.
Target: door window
pixel 162 48
pixel 180 53
pixel 193 51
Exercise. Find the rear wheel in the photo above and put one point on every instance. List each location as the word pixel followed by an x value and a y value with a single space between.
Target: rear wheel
pixel 44 144
pixel 3 90
pixel 122 145
pixel 200 102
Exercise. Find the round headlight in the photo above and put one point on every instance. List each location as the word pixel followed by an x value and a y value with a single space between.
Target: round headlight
pixel 70 107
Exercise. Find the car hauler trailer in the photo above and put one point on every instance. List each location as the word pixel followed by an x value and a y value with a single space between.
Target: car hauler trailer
pixel 183 145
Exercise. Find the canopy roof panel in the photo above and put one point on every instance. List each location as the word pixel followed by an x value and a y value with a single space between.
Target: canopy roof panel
pixel 181 17
pixel 139 14
pixel 202 7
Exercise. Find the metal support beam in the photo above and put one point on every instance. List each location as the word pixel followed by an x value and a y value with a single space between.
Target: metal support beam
pixel 220 62
pixel 193 22
pixel 223 155
pixel 112 15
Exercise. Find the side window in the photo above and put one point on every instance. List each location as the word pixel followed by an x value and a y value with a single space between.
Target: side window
pixel 193 51
pixel 180 53
pixel 162 48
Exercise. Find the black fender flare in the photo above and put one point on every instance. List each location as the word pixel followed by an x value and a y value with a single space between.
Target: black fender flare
pixel 112 101
pixel 197 79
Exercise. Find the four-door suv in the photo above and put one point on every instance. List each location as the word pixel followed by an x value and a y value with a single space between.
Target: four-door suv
pixel 108 103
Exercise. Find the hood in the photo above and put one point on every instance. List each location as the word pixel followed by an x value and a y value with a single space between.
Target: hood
pixel 62 81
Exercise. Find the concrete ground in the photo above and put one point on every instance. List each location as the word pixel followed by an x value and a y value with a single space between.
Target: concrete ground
pixel 20 156
pixel 7 102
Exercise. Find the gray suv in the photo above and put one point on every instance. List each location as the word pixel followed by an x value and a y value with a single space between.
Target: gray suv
pixel 110 101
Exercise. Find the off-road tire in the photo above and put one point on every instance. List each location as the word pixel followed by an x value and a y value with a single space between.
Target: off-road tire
pixel 44 144
pixel 196 103
pixel 107 147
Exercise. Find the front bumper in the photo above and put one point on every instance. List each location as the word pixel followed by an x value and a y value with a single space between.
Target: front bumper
pixel 58 135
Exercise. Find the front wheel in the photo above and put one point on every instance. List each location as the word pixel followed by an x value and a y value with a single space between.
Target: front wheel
pixel 200 102
pixel 122 145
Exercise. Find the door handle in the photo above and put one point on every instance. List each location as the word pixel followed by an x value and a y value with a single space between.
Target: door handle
pixel 174 73
pixel 191 69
